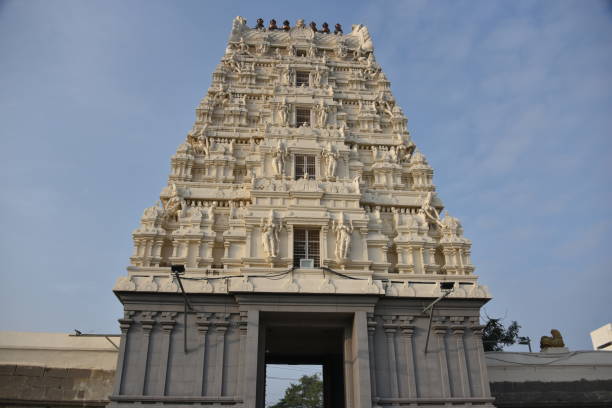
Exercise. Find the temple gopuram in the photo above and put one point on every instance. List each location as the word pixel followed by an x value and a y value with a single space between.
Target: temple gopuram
pixel 300 225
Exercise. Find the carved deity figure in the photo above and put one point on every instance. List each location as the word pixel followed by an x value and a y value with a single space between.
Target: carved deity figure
pixel 343 237
pixel 239 25
pixel 397 218
pixel 263 47
pixel 232 210
pixel 322 112
pixel 278 160
pixel 300 23
pixel 243 47
pixel 269 235
pixel 200 144
pixel 341 50
pixel 356 188
pixel 316 78
pixel 175 204
pixel 283 113
pixel 291 50
pixel 429 211
pixel 393 155
pixel 312 51
pixel 286 77
pixel 331 158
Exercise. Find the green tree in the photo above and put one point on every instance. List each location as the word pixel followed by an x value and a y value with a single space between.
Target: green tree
pixel 308 393
pixel 496 336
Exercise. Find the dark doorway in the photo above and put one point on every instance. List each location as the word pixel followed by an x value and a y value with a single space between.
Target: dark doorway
pixel 308 338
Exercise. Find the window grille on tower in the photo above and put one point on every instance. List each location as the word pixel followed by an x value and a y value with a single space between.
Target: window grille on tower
pixel 306 246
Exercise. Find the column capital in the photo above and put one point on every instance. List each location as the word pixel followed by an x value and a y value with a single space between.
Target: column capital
pixel 477 329
pixel 147 325
pixel 440 329
pixel 124 325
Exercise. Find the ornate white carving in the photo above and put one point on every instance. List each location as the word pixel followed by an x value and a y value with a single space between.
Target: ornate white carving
pixel 331 159
pixel 343 237
pixel 269 231
pixel 240 159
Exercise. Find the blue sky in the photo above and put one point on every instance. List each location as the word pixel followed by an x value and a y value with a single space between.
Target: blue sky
pixel 510 101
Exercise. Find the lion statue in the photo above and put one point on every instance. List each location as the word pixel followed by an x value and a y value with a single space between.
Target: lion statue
pixel 555 341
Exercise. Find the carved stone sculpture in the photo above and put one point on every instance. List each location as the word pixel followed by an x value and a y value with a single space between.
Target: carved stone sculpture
pixel 279 156
pixel 175 203
pixel 269 231
pixel 331 158
pixel 343 237
pixel 429 211
pixel 283 113
pixel 356 187
pixel 555 340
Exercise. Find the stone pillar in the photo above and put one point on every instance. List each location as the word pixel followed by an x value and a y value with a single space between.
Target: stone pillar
pixel 440 332
pixel 221 328
pixel 243 325
pixel 251 359
pixel 371 333
pixel 167 322
pixel 361 361
pixel 203 324
pixel 410 257
pixel 390 330
pixel 157 246
pixel 249 233
pixel 480 357
pixel 290 243
pixel 323 249
pixel 124 325
pixel 364 243
pixel 147 324
pixel 407 333
pixel 431 255
pixel 464 379
pixel 422 259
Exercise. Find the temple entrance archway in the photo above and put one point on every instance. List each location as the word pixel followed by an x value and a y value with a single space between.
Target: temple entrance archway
pixel 308 338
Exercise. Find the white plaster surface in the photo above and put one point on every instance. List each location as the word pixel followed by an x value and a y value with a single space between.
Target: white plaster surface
pixel 601 337
pixel 58 350
pixel 549 367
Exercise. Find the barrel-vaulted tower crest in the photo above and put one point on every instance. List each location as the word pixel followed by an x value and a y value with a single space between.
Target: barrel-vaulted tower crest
pixel 310 231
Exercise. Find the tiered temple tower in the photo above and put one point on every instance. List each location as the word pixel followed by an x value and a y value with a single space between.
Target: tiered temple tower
pixel 309 228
